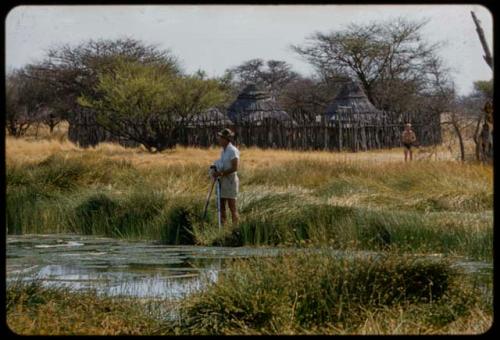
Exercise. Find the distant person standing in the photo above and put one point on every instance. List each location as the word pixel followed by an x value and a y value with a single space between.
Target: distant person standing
pixel 408 139
pixel 227 166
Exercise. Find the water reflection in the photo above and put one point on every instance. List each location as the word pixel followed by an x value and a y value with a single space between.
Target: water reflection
pixel 113 267
pixel 139 269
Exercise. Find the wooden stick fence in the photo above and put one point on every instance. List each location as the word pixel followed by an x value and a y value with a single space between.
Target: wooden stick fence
pixel 346 136
pixel 340 135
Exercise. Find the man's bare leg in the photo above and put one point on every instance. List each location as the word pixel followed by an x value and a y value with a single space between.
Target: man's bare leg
pixel 223 210
pixel 231 202
pixel 406 154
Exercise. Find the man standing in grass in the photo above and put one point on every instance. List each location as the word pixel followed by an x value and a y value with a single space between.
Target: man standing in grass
pixel 227 166
pixel 408 138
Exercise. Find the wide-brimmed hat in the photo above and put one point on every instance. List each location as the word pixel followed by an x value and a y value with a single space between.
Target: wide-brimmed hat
pixel 226 133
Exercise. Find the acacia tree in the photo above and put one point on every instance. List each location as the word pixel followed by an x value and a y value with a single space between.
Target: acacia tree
pixel 149 104
pixel 73 71
pixel 76 68
pixel 386 57
pixel 305 98
pixel 50 99
pixel 26 101
pixel 16 119
pixel 273 75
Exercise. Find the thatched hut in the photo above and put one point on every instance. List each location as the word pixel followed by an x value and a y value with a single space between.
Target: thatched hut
pixel 202 128
pixel 352 105
pixel 255 106
pixel 360 124
pixel 211 117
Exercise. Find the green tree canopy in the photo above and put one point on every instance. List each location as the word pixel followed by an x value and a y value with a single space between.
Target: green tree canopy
pixel 73 69
pixel 149 104
pixel 484 88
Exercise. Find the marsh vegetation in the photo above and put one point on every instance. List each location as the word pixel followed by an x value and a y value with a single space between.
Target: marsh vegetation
pixel 314 201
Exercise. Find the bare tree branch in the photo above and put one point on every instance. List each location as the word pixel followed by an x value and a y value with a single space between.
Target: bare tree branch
pixel 487 54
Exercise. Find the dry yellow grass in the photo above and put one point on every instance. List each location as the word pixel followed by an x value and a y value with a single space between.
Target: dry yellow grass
pixel 80 314
pixel 378 169
pixel 394 323
pixel 39 143
pixel 280 169
pixel 25 150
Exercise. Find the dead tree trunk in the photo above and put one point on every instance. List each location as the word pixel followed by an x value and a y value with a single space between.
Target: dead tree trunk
pixel 460 140
pixel 477 140
pixel 487 54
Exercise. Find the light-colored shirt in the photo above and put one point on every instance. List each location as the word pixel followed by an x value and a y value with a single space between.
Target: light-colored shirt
pixel 226 156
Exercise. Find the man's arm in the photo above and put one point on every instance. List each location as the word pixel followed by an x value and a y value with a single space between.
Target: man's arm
pixel 234 167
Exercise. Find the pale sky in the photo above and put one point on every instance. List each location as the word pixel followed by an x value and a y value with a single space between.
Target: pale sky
pixel 216 37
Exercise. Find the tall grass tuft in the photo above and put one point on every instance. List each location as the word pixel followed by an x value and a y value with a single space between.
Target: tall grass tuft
pixel 319 292
pixel 95 215
pixel 178 226
pixel 133 215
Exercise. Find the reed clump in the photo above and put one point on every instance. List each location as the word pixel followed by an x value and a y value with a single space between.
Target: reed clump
pixel 320 293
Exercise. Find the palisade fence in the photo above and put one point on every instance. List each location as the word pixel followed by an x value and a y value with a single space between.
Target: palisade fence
pixel 340 136
pixel 350 123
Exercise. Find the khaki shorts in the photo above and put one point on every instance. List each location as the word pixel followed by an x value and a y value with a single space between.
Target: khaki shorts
pixel 229 186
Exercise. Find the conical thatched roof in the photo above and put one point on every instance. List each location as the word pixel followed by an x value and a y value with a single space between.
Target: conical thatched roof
pixel 352 102
pixel 211 117
pixel 253 105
